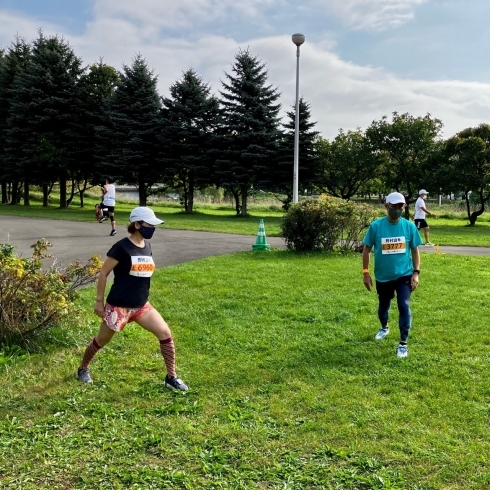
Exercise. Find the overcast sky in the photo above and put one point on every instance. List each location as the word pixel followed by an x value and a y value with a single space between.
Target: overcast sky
pixel 362 59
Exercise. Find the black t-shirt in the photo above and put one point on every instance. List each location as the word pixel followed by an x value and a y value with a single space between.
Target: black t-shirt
pixel 132 274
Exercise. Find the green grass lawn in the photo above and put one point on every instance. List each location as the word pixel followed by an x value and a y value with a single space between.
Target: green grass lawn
pixel 444 231
pixel 457 232
pixel 205 218
pixel 289 389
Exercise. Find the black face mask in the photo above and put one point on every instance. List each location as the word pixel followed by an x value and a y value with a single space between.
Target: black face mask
pixel 146 231
pixel 395 213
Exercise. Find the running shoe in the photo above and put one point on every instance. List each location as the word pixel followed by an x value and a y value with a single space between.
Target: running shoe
pixel 402 350
pixel 428 244
pixel 83 375
pixel 175 383
pixel 382 333
pixel 112 233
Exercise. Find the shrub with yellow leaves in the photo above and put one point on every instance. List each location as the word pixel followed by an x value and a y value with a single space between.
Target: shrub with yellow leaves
pixel 34 299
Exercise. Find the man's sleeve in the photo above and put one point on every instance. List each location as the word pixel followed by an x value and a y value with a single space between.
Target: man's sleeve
pixel 415 240
pixel 369 238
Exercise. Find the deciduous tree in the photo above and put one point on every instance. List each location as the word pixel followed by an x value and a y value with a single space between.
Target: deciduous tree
pixel 407 142
pixel 347 163
pixel 465 165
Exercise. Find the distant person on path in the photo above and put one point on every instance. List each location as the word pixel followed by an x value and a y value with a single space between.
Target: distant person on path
pixel 420 212
pixel 396 266
pixel 101 212
pixel 109 202
pixel 132 262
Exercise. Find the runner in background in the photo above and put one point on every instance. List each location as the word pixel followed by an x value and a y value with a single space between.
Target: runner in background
pixel 109 202
pixel 101 212
pixel 420 212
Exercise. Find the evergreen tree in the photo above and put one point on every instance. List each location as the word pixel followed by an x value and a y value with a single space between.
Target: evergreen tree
pixel 189 119
pixel 247 144
pixel 12 63
pixel 281 178
pixel 96 88
pixel 128 142
pixel 41 136
pixel 3 121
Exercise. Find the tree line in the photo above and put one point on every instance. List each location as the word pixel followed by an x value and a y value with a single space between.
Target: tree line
pixel 70 125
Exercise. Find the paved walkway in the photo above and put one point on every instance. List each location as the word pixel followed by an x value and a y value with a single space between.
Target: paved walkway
pixel 79 240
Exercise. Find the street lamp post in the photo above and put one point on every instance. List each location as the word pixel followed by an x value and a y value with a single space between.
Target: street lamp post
pixel 298 39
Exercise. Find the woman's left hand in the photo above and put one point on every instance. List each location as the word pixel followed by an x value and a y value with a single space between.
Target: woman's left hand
pixel 99 309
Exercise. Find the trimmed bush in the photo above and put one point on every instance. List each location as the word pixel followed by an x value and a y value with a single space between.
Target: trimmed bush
pixel 326 224
pixel 33 300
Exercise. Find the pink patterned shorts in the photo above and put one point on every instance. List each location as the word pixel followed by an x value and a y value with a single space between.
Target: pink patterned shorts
pixel 117 317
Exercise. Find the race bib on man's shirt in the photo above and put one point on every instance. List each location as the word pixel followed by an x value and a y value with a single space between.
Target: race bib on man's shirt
pixel 142 266
pixel 393 245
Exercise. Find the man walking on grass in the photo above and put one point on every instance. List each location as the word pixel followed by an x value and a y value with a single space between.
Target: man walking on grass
pixel 396 266
pixel 420 212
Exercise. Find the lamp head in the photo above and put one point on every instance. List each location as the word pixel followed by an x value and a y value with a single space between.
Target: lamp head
pixel 298 39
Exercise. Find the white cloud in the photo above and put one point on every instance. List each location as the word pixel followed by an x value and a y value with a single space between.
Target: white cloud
pixel 345 95
pixel 178 14
pixel 13 24
pixel 342 94
pixel 119 41
pixel 194 14
pixel 374 14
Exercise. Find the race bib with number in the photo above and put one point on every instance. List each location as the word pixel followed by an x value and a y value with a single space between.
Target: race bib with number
pixel 142 266
pixel 393 245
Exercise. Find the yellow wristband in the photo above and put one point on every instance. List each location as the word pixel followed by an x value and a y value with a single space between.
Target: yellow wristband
pixel 365 271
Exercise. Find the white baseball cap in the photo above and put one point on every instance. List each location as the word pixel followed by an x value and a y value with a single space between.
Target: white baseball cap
pixel 144 214
pixel 395 198
pixel 423 191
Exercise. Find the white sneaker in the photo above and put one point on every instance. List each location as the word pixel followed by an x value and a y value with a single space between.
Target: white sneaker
pixel 402 350
pixel 382 333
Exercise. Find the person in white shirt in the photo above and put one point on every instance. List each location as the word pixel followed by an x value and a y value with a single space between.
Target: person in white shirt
pixel 420 212
pixel 109 202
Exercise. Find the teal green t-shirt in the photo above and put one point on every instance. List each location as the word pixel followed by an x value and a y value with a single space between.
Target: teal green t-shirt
pixel 392 244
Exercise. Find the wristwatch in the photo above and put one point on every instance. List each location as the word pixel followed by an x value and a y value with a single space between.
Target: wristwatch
pixel 417 271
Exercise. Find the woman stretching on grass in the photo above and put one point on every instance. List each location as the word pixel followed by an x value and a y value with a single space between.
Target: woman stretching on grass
pixel 132 263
